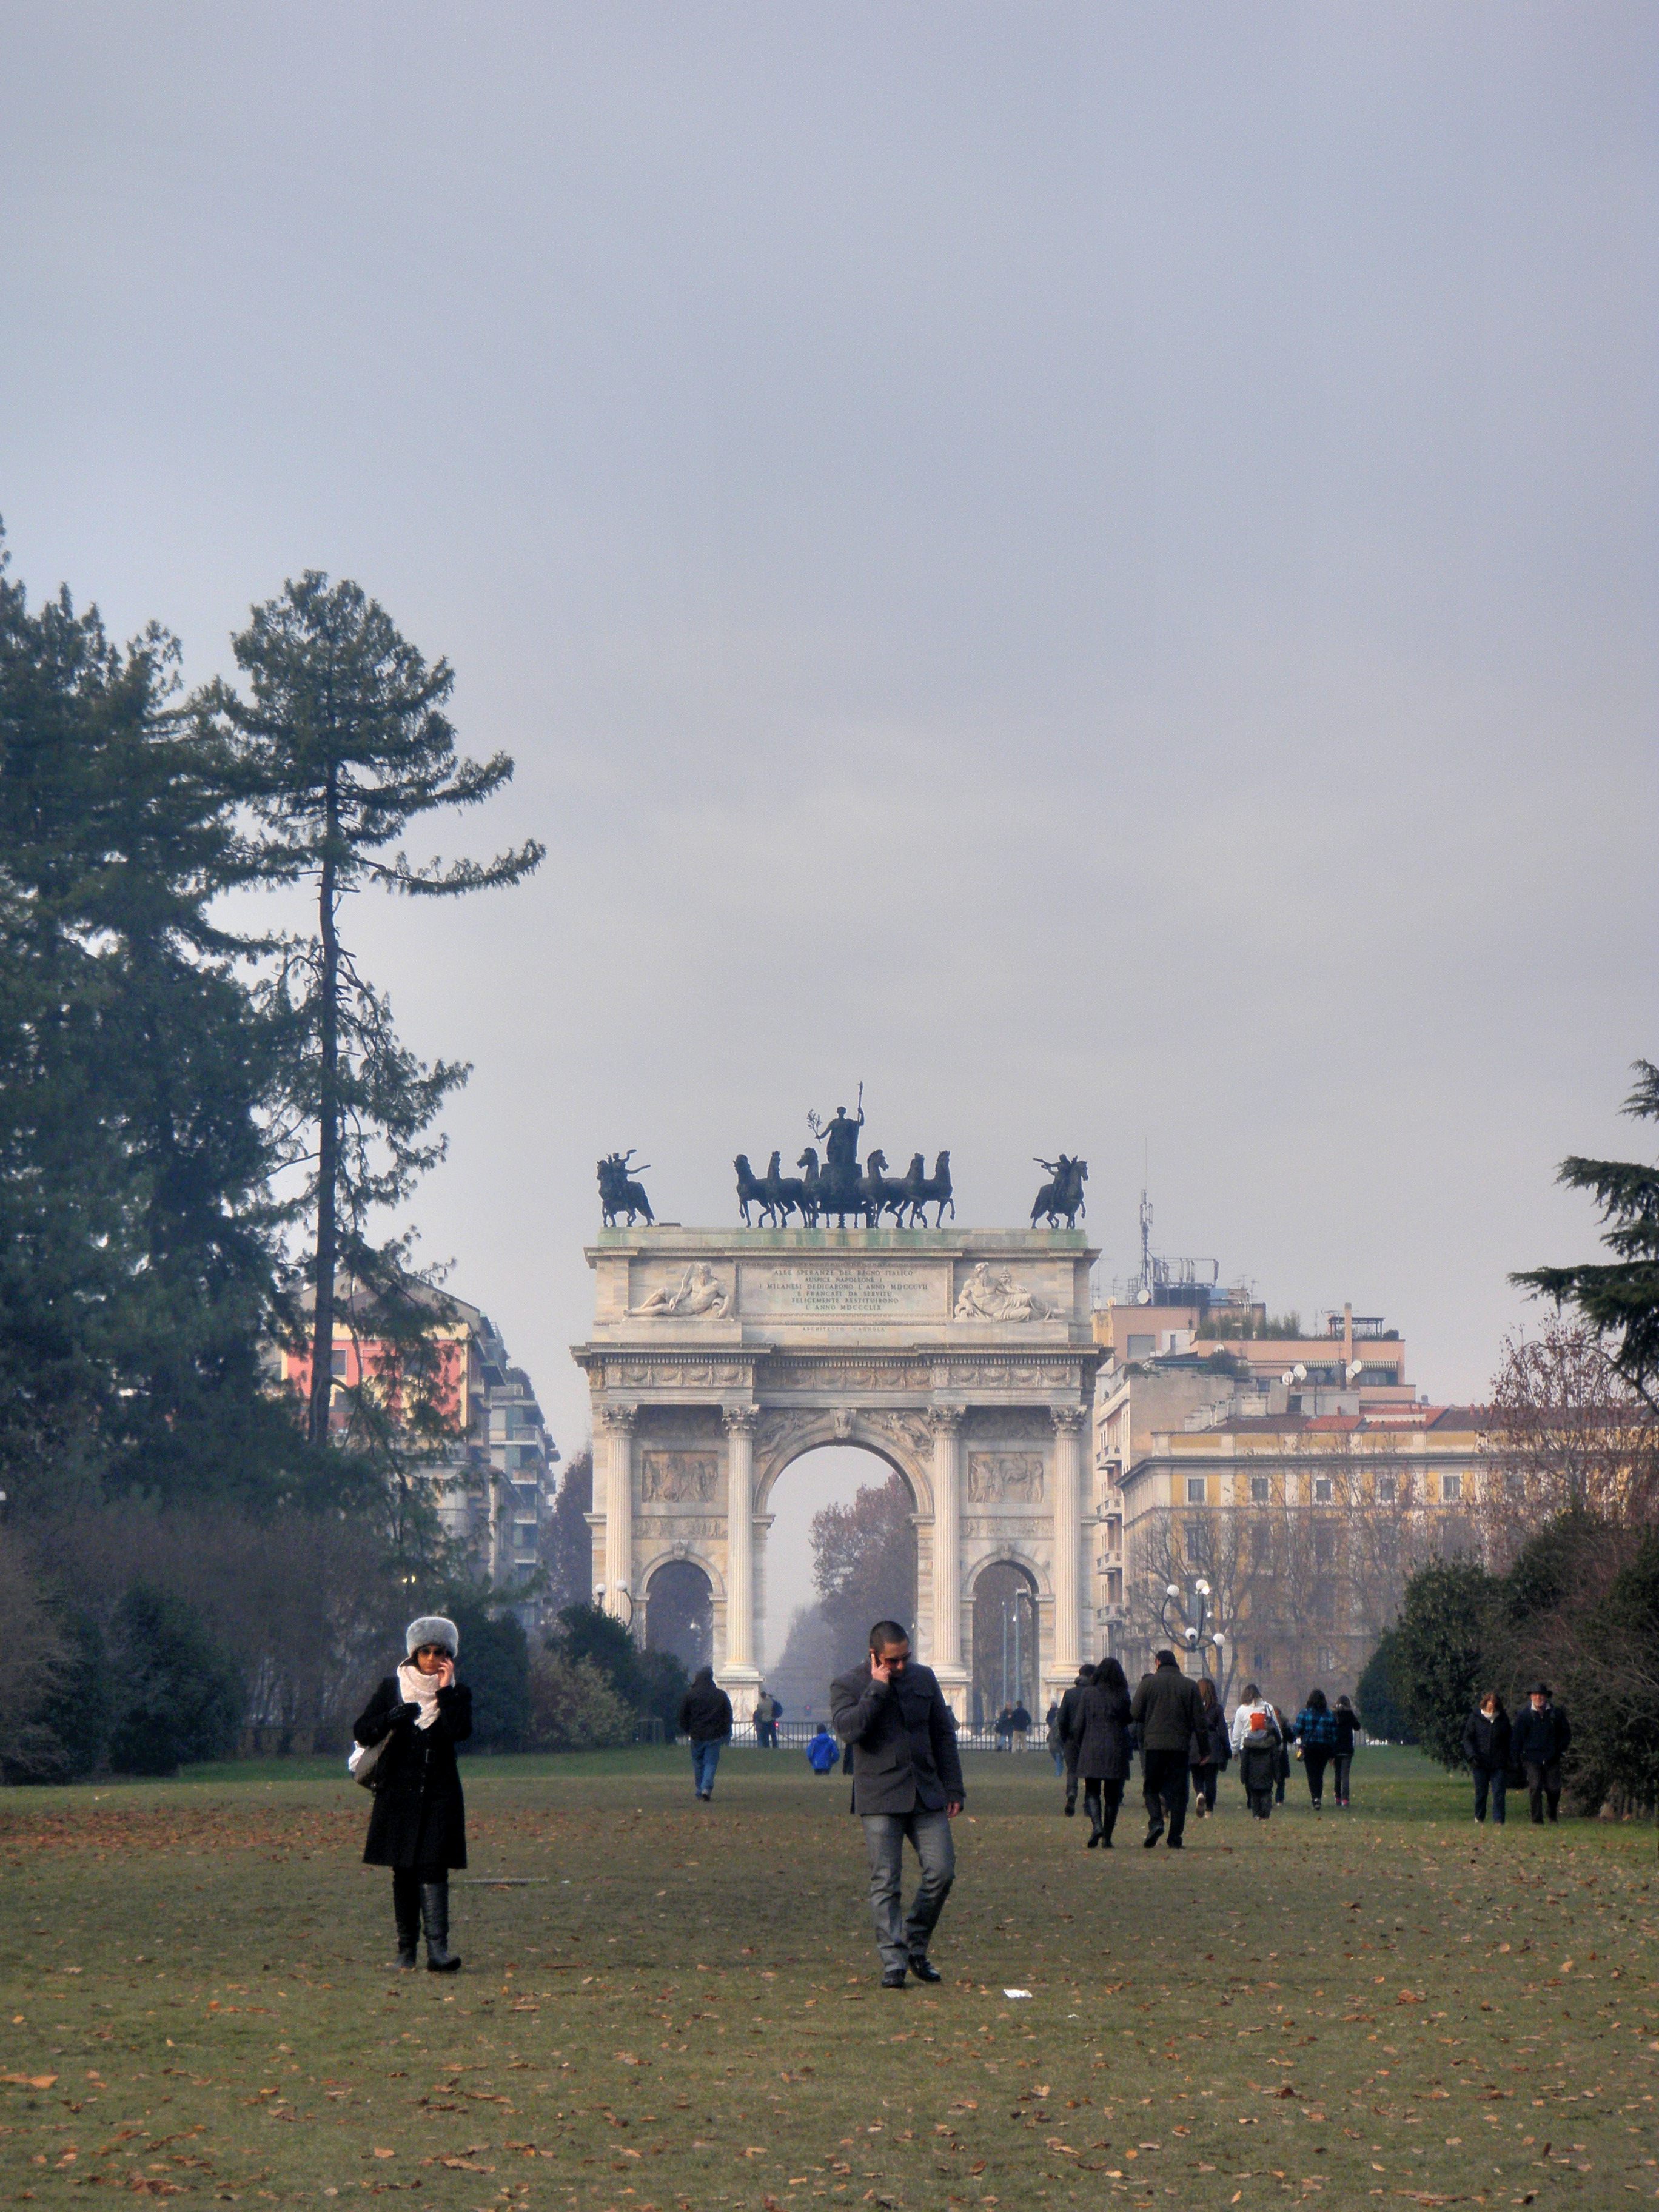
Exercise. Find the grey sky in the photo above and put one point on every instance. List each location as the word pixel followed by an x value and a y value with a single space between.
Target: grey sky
pixel 1092 565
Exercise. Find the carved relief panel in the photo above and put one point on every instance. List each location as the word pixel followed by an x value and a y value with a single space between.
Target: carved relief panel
pixel 679 1478
pixel 1004 1478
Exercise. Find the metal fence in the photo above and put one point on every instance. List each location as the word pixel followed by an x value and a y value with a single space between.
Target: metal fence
pixel 795 1735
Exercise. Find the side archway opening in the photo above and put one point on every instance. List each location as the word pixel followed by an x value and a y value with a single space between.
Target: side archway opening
pixel 1005 1664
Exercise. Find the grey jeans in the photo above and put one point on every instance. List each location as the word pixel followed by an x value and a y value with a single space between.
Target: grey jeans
pixel 900 1938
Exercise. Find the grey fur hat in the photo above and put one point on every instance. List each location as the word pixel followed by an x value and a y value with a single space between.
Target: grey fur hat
pixel 432 1628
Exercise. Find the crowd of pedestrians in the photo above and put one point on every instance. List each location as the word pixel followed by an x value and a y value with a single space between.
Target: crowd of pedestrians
pixel 894 1733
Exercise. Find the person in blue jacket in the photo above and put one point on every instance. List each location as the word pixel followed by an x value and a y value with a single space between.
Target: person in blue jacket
pixel 822 1753
pixel 1313 1732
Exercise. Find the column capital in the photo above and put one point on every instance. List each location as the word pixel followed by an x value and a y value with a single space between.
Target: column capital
pixel 619 1415
pixel 945 1420
pixel 1066 1418
pixel 740 1419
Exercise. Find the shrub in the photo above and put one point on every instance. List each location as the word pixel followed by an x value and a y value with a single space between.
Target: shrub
pixel 1381 1711
pixel 1438 1659
pixel 495 1665
pixel 178 1699
pixel 573 1705
pixel 649 1683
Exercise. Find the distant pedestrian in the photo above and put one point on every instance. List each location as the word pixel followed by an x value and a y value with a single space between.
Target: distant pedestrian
pixel 1260 1746
pixel 1098 1748
pixel 1538 1743
pixel 705 1716
pixel 767 1710
pixel 418 1826
pixel 907 1782
pixel 1212 1749
pixel 1052 1738
pixel 1315 1731
pixel 1168 1712
pixel 1004 1728
pixel 1282 1773
pixel 1348 1735
pixel 1020 1721
pixel 1066 1729
pixel 822 1755
pixel 1486 1748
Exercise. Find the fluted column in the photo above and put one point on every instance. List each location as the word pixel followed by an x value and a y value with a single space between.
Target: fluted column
pixel 740 1542
pixel 1068 1534
pixel 619 1509
pixel 947 1541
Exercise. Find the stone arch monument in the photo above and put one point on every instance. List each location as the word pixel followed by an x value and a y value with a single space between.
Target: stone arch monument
pixel 965 1359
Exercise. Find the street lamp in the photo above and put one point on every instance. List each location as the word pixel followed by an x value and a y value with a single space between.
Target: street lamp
pixel 1192 1630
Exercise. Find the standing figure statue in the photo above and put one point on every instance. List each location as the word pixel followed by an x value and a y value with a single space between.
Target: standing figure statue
pixel 618 1192
pixel 840 1187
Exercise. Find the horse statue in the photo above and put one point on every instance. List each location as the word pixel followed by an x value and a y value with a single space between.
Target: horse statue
pixel 935 1190
pixel 781 1195
pixel 618 1192
pixel 839 1194
pixel 881 1196
pixel 750 1190
pixel 1064 1193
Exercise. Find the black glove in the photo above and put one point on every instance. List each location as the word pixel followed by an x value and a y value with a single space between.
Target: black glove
pixel 409 1711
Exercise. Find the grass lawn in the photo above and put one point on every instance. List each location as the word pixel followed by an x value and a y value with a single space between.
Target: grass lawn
pixel 680 2008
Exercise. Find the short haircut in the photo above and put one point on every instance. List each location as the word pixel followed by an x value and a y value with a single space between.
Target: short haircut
pixel 888 1633
pixel 1165 1658
pixel 1252 1689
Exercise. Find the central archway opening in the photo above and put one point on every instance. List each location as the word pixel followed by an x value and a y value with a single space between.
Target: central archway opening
pixel 840 1554
pixel 679 1613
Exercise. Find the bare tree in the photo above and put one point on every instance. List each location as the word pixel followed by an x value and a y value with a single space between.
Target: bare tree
pixel 1568 1435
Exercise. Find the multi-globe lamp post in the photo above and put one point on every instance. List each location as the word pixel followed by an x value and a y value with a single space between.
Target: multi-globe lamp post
pixel 1193 1630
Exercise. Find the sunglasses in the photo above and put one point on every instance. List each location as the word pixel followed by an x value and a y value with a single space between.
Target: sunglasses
pixel 432 1651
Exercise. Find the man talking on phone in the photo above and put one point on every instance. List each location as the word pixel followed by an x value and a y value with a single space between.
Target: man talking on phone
pixel 907 1781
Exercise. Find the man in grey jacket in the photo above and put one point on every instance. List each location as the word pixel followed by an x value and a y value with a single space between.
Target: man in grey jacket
pixel 907 1781
pixel 1168 1712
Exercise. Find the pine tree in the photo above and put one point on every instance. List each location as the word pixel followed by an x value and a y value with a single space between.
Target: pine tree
pixel 1619 1299
pixel 344 741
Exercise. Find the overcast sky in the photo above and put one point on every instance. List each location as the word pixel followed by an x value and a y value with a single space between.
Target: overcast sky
pixel 1092 567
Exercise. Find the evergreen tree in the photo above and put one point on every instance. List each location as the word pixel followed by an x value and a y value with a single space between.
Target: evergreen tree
pixel 180 1699
pixel 1439 1662
pixel 1619 1298
pixel 344 741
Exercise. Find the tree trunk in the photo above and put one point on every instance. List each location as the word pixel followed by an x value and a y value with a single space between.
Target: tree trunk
pixel 328 1140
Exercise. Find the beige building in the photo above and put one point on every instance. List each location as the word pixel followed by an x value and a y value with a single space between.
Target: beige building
pixel 1300 1517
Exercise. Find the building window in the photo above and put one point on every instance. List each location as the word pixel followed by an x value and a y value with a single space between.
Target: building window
pixel 337 1359
pixel 1323 1490
pixel 1198 1490
pixel 1515 1486
pixel 1451 1489
pixel 1325 1544
pixel 1261 1490
pixel 1388 1490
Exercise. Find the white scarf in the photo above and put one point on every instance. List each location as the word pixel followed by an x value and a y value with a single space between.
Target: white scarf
pixel 420 1690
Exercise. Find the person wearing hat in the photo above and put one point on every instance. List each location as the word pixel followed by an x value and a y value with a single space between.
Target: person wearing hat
pixel 418 1826
pixel 1538 1742
pixel 1168 1712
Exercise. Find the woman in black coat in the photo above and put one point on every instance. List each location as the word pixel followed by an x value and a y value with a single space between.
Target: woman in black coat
pixel 1486 1748
pixel 1100 1734
pixel 1212 1750
pixel 418 1826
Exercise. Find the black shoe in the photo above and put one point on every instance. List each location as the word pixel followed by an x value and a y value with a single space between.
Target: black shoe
pixel 1105 1843
pixel 1071 1809
pixel 925 1971
pixel 1176 1844
pixel 435 1914
pixel 1093 1843
pixel 893 1979
pixel 1150 1841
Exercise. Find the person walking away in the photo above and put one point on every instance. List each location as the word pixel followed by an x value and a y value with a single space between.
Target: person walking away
pixel 1168 1712
pixel 1020 1721
pixel 907 1782
pixel 418 1827
pixel 1097 1748
pixel 1052 1738
pixel 1538 1743
pixel 1212 1750
pixel 1315 1732
pixel 821 1752
pixel 1256 1739
pixel 1004 1731
pixel 1486 1748
pixel 705 1716
pixel 765 1717
pixel 1066 1730
pixel 1282 1775
pixel 1348 1735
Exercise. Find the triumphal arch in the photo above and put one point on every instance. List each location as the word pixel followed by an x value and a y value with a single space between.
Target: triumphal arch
pixel 965 1359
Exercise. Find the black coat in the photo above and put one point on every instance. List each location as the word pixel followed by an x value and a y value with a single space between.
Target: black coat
pixel 1486 1743
pixel 419 1818
pixel 1347 1727
pixel 1066 1726
pixel 1168 1711
pixel 1539 1739
pixel 1211 1745
pixel 705 1714
pixel 1099 1744
pixel 903 1740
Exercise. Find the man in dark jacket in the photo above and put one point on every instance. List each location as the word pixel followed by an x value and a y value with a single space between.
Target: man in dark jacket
pixel 907 1781
pixel 1538 1742
pixel 1168 1712
pixel 705 1716
pixel 1068 1729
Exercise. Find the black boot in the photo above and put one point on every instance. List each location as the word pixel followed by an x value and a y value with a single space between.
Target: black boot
pixel 406 1911
pixel 435 1911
